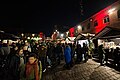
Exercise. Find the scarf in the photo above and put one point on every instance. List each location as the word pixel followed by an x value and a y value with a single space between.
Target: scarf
pixel 32 67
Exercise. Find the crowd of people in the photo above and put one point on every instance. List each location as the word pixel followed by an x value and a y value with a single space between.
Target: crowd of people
pixel 29 60
pixel 109 55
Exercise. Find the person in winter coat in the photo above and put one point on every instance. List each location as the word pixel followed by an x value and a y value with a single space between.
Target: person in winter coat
pixel 26 53
pixel 13 51
pixel 4 57
pixel 4 50
pixel 107 52
pixel 58 52
pixel 33 68
pixel 42 56
pixel 51 53
pixel 17 66
pixel 67 55
pixel 101 53
pixel 85 52
pixel 116 56
pixel 79 53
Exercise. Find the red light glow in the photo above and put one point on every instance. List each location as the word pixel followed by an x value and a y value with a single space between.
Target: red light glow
pixel 71 30
pixel 99 17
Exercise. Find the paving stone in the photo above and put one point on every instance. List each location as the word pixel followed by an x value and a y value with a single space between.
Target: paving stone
pixel 118 78
pixel 114 77
pixel 84 71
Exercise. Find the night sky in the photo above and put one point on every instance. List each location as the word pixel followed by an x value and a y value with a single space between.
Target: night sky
pixel 41 16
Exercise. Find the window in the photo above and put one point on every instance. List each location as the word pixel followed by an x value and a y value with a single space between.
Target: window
pixel 88 26
pixel 95 23
pixel 106 19
pixel 118 13
pixel 91 19
pixel 83 28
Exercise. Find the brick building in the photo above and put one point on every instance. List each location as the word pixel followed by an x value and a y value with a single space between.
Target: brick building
pixel 108 17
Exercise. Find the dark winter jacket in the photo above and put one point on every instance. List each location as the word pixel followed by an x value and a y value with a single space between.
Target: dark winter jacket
pixel 16 67
pixel 5 49
pixel 42 51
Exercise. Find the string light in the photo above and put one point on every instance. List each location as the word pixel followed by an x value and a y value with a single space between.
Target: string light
pixel 81 7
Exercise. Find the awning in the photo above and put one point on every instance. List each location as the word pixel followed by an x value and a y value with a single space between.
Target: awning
pixel 108 33
pixel 80 37
pixel 4 35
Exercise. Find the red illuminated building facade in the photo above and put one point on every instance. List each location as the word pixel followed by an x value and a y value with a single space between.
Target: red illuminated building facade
pixel 108 17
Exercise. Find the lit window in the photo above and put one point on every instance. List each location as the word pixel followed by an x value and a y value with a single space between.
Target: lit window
pixel 106 19
pixel 118 13
pixel 95 23
pixel 88 26
pixel 91 19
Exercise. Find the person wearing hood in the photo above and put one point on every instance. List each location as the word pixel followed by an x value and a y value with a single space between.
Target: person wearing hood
pixel 17 66
pixel 67 55
pixel 42 53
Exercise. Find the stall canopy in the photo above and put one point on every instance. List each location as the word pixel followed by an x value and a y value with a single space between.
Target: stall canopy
pixel 4 35
pixel 80 37
pixel 108 33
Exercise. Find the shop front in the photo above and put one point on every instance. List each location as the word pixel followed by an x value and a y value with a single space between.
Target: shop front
pixel 109 37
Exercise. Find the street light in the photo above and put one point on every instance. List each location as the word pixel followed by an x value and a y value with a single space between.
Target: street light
pixel 79 27
pixel 111 11
pixel 54 32
pixel 22 34
pixel 62 35
pixel 28 37
pixel 33 35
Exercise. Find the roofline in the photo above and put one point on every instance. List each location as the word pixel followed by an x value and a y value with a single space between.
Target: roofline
pixel 109 37
pixel 101 11
pixel 103 29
